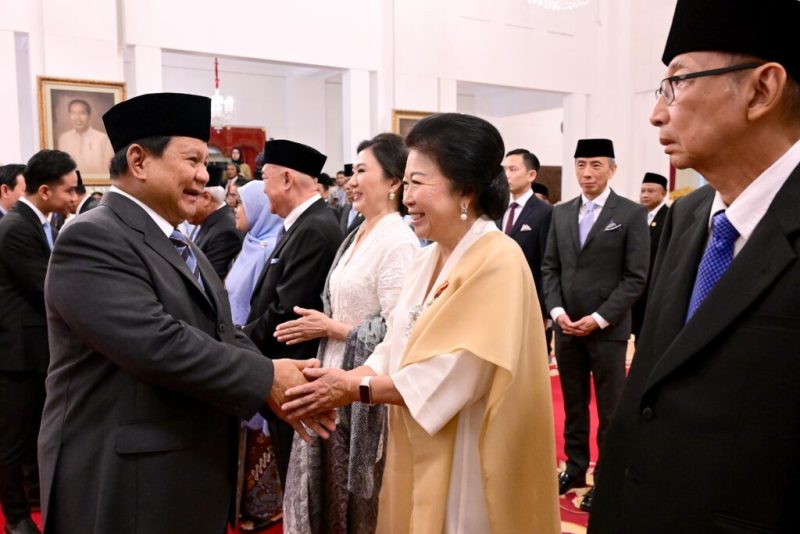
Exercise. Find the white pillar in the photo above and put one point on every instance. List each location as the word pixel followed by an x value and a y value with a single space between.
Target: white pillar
pixel 147 71
pixel 355 111
pixel 575 110
pixel 10 147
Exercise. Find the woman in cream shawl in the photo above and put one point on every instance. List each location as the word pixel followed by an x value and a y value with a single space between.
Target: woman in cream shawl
pixel 471 444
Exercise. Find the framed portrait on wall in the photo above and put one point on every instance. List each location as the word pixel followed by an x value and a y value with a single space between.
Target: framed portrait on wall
pixel 403 120
pixel 71 119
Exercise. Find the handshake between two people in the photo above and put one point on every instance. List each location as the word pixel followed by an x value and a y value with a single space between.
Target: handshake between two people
pixel 307 396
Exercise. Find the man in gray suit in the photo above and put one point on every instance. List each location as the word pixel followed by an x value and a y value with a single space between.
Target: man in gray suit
pixel 595 267
pixel 148 377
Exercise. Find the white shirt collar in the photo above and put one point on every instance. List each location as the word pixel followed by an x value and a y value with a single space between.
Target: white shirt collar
pixel 523 198
pixel 86 198
pixel 160 221
pixel 652 212
pixel 37 211
pixel 298 211
pixel 749 208
pixel 3 210
pixel 599 201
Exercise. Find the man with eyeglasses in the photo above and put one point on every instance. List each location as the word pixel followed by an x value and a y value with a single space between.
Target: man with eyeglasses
pixel 707 434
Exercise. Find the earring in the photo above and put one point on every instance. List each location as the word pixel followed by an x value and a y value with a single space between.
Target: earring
pixel 463 215
pixel 391 195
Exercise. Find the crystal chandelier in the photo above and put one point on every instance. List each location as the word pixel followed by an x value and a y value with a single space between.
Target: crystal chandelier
pixel 559 5
pixel 221 106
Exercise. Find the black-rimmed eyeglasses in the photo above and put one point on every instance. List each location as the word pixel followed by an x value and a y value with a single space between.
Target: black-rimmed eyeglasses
pixel 667 87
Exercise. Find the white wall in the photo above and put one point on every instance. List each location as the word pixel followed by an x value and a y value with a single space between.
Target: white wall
pixel 415 54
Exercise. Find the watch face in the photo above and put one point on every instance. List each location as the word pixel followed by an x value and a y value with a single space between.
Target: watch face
pixel 365 394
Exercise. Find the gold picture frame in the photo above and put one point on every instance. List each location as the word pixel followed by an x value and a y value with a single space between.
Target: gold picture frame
pixel 70 119
pixel 404 120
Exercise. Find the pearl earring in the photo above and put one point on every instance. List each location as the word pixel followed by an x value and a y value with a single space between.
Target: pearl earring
pixel 463 215
pixel 391 195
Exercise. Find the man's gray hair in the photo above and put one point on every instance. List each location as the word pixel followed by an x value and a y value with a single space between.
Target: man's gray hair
pixel 217 193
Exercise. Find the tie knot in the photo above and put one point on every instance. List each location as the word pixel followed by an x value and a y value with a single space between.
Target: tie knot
pixel 590 207
pixel 722 228
pixel 513 205
pixel 178 238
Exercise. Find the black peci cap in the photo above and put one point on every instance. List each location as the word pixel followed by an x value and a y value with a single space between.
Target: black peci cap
pixel 297 156
pixel 766 29
pixel 653 178
pixel 172 114
pixel 594 148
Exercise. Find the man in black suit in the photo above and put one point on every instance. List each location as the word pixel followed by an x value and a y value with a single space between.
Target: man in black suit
pixel 707 433
pixel 12 186
pixel 527 219
pixel 594 269
pixel 148 379
pixel 349 219
pixel 85 201
pixel 26 239
pixel 214 223
pixel 653 196
pixel 295 273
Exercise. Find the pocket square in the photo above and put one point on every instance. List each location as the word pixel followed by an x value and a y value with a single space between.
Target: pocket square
pixel 612 226
pixel 525 228
pixel 273 261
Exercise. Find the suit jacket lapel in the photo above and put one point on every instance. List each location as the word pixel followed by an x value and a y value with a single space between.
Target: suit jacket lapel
pixel 524 214
pixel 768 248
pixel 29 214
pixel 572 222
pixel 137 219
pixel 603 219
pixel 316 206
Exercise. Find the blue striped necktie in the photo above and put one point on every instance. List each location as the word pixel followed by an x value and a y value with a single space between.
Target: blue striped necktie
pixel 183 248
pixel 716 260
pixel 48 232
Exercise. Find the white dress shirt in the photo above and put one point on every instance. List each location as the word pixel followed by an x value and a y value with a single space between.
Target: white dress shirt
pixel 599 201
pixel 298 211
pixel 652 213
pixel 751 205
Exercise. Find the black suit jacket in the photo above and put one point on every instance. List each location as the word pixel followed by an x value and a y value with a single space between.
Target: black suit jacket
pixel 608 274
pixel 24 254
pixel 86 205
pixel 219 240
pixel 530 232
pixel 147 385
pixel 707 432
pixel 344 214
pixel 294 276
pixel 655 236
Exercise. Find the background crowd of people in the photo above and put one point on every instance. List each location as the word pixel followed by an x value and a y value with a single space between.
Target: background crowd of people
pixel 376 346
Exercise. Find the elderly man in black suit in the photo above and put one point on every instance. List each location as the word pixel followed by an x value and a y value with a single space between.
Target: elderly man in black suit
pixel 26 240
pixel 707 433
pixel 12 186
pixel 653 196
pixel 594 269
pixel 295 272
pixel 214 223
pixel 149 379
pixel 527 218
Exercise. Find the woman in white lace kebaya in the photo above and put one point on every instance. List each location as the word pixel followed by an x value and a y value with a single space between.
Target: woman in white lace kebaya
pixel 333 486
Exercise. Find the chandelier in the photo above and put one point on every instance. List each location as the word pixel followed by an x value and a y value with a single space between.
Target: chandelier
pixel 221 106
pixel 559 5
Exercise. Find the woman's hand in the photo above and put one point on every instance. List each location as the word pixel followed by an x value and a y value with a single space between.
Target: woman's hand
pixel 312 324
pixel 327 389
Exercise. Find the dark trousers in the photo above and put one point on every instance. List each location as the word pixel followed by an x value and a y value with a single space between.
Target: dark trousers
pixel 21 402
pixel 581 359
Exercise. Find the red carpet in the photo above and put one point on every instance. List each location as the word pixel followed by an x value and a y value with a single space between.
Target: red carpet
pixel 573 520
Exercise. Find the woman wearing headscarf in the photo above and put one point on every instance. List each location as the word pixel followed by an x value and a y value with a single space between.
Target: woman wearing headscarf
pixel 254 217
pixel 471 443
pixel 333 486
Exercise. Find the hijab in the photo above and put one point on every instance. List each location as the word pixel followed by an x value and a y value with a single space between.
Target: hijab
pixel 259 242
